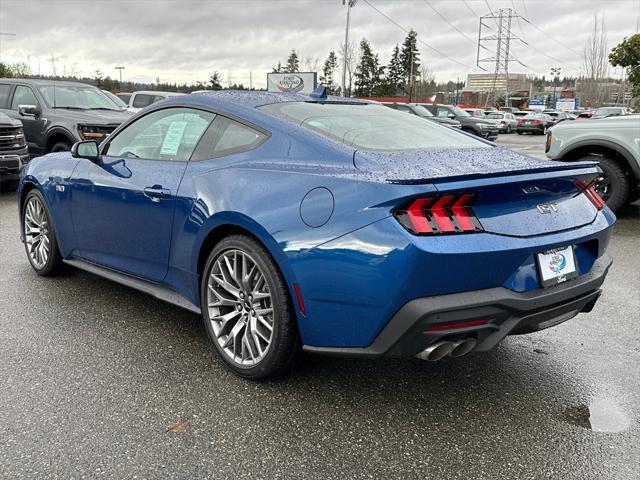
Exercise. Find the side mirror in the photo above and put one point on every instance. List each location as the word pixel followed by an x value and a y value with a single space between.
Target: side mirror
pixel 29 111
pixel 86 149
pixel 451 115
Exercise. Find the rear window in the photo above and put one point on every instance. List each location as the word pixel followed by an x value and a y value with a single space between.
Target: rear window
pixel 371 126
pixel 493 115
pixel 143 100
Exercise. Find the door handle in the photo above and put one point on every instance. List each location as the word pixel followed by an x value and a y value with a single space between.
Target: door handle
pixel 157 193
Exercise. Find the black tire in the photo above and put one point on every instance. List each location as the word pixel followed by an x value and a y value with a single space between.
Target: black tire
pixel 508 129
pixel 285 347
pixel 53 265
pixel 61 147
pixel 614 188
pixel 519 132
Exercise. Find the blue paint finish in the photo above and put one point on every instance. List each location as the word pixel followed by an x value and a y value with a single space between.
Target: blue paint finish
pixel 317 207
pixel 355 264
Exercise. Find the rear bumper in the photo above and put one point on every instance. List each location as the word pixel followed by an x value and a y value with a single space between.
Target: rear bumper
pixel 507 312
pixel 539 129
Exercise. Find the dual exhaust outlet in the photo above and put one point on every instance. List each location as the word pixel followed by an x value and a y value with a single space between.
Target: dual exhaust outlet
pixel 441 349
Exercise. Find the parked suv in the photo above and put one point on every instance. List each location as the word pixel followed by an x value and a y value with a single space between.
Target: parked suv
pixel 481 127
pixel 614 142
pixel 139 100
pixel 55 115
pixel 13 150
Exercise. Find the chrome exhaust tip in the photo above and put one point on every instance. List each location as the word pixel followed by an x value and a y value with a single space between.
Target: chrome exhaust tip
pixel 436 352
pixel 462 347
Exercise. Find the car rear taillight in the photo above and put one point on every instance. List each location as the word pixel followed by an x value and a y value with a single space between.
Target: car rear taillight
pixel 589 190
pixel 536 121
pixel 520 121
pixel 440 214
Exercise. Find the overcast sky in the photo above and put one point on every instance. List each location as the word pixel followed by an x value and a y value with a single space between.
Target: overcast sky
pixel 185 41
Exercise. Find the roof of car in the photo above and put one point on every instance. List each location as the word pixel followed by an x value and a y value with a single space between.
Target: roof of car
pixel 158 92
pixel 43 82
pixel 255 98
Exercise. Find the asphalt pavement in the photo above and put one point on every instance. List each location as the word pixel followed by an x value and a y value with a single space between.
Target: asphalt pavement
pixel 100 381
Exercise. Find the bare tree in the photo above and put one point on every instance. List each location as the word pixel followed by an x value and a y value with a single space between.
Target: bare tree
pixel 596 65
pixel 352 54
pixel 425 85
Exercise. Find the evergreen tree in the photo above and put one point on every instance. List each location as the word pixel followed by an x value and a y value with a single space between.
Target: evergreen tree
pixel 215 81
pixel 293 63
pixel 328 70
pixel 409 72
pixel 395 75
pixel 368 72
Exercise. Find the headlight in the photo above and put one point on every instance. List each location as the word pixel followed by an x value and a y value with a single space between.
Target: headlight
pixel 483 125
pixel 91 132
pixel 20 139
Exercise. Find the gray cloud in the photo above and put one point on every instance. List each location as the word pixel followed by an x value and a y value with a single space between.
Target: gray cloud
pixel 186 40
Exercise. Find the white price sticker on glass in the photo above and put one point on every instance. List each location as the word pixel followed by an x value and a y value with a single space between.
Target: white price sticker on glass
pixel 173 138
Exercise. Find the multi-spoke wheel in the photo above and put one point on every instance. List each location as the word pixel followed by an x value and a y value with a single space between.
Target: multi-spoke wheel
pixel 247 310
pixel 39 238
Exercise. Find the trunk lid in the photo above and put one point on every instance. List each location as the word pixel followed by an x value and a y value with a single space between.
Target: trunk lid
pixel 515 195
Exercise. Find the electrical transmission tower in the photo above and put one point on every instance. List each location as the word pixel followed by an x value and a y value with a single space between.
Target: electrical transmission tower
pixel 503 56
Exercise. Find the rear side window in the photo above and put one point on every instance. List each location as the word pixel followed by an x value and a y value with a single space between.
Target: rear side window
pixel 125 97
pixel 142 100
pixel 4 95
pixel 226 137
pixel 23 96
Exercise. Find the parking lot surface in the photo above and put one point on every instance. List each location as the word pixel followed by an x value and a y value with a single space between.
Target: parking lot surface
pixel 100 381
pixel 526 143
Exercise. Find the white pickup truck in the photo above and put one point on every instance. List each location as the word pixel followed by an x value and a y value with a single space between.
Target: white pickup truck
pixel 613 142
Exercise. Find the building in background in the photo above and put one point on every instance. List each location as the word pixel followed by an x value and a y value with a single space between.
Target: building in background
pixel 483 82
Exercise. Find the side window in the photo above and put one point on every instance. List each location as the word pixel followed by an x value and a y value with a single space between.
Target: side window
pixel 402 108
pixel 169 134
pixel 235 138
pixel 157 98
pixel 23 96
pixel 125 97
pixel 4 95
pixel 142 100
pixel 443 112
pixel 226 137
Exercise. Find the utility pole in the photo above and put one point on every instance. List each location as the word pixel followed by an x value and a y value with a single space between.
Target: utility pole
pixel 349 4
pixel 555 71
pixel 5 34
pixel 503 19
pixel 120 71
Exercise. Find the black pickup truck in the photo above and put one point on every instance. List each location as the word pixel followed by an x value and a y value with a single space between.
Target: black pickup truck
pixel 13 151
pixel 55 115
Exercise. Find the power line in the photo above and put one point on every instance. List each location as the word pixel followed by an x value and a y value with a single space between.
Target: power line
pixel 470 9
pixel 449 23
pixel 524 4
pixel 418 39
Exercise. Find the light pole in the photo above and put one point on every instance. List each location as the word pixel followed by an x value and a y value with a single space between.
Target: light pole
pixel 555 71
pixel 349 4
pixel 120 71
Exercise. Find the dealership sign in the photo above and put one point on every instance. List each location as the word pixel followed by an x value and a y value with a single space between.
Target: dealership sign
pixel 298 82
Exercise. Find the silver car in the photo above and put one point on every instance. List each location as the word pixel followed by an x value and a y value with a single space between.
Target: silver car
pixel 505 121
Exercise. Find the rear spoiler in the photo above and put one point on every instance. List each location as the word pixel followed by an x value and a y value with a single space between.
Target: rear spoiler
pixel 582 170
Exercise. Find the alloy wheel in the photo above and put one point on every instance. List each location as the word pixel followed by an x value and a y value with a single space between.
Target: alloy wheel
pixel 240 307
pixel 36 232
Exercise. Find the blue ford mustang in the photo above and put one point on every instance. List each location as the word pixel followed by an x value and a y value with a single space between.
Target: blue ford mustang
pixel 305 222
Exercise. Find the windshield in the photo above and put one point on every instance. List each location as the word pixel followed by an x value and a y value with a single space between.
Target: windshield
pixel 494 115
pixel 421 111
pixel 82 97
pixel 608 111
pixel 116 100
pixel 371 126
pixel 458 112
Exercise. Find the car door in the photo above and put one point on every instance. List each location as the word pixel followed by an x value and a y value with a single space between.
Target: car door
pixel 123 205
pixel 33 125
